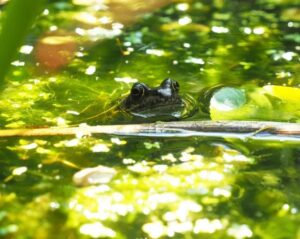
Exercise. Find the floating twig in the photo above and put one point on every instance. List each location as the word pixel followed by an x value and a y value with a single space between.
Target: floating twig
pixel 256 130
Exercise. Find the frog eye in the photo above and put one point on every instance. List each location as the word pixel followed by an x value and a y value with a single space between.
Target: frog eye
pixel 169 83
pixel 137 91
pixel 175 85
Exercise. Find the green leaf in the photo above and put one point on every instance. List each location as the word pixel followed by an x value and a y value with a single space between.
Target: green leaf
pixel 19 16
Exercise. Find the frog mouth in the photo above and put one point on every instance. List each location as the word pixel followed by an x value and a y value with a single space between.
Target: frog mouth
pixel 160 110
pixel 178 108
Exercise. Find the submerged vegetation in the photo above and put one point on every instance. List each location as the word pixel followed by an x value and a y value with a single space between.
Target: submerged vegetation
pixel 236 60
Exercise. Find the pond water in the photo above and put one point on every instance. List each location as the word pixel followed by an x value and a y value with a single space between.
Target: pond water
pixel 82 57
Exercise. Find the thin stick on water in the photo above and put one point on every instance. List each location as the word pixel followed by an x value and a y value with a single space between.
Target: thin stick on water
pixel 245 130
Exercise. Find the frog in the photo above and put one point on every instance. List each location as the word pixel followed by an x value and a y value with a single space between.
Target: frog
pixel 163 102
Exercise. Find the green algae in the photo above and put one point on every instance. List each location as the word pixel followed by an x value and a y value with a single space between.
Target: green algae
pixel 164 188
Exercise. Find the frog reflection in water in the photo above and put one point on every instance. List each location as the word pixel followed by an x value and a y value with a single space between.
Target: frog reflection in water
pixel 161 103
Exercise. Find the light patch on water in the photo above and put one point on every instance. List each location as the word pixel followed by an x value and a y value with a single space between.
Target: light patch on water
pixel 127 80
pixel 236 157
pixel 72 143
pixel 35 81
pixel 75 205
pixel 26 49
pixel 18 63
pixel 219 29
pixel 294 210
pixel 211 175
pixel 259 30
pixel 98 33
pixel 155 52
pixel 160 168
pixel 172 180
pixel 288 55
pixel 121 209
pixel 185 157
pixel 57 40
pixel 286 207
pixel 154 229
pixel 29 86
pixel 9 229
pixel 240 231
pixel 205 225
pixel 41 150
pixel 185 207
pixel 284 210
pixel 100 148
pixel 128 161
pixel 80 31
pixel 104 204
pixel 146 211
pixel 19 171
pixel 169 157
pixel 184 20
pixel 127 43
pixel 54 205
pixel 105 20
pixel 96 230
pixel 186 45
pixel 247 30
pixel 283 74
pixel 189 150
pixel 72 112
pixel 200 190
pixel 170 216
pixel 139 168
pixel 72 204
pixel 52 79
pixel 117 197
pixel 152 145
pixel 224 192
pixel 117 26
pixel 182 6
pixel 86 17
pixel 29 146
pixel 130 49
pixel 91 215
pixel 90 70
pixel 96 4
pixel 92 192
pixel 79 54
pixel 163 198
pixel 53 28
pixel 179 227
pixel 118 141
pixel 46 12
pixel 194 60
pixel 61 121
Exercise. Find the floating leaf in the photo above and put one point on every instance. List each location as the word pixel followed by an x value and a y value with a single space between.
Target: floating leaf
pixel 227 99
pixel 285 93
